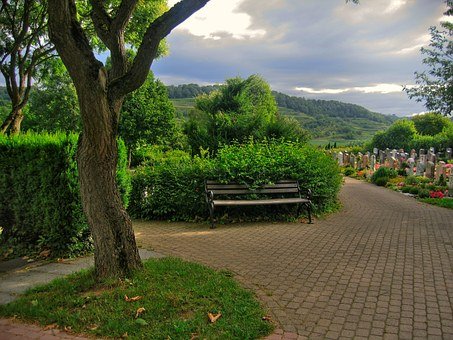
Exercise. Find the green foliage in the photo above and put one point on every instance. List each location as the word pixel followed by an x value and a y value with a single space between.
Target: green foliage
pixel 53 104
pixel 382 175
pixel 398 135
pixel 177 296
pixel 431 123
pixel 148 117
pixel 40 206
pixel 174 188
pixel 441 202
pixel 435 86
pixel 240 109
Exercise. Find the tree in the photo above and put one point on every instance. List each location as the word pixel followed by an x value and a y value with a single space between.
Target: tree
pixel 148 118
pixel 398 136
pixel 430 123
pixel 100 94
pixel 23 46
pixel 435 86
pixel 53 102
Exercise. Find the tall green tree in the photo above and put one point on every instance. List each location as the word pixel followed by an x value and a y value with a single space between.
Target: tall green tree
pixel 435 85
pixel 148 117
pixel 240 109
pixel 101 93
pixel 23 46
pixel 53 101
pixel 431 123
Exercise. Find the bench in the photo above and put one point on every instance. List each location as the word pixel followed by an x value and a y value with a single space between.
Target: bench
pixel 281 192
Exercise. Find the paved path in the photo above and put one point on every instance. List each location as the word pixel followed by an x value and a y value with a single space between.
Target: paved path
pixel 380 268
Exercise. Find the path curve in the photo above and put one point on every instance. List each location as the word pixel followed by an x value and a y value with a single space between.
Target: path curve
pixel 381 267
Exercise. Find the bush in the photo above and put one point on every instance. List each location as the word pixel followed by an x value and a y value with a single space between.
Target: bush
pixel 423 193
pixel 381 181
pixel 383 172
pixel 414 190
pixel 40 205
pixel 175 188
pixel 406 189
pixel 348 171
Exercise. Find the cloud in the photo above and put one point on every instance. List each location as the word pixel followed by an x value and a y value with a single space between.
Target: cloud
pixel 220 18
pixel 327 49
pixel 377 88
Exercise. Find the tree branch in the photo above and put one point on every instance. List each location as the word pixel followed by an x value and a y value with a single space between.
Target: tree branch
pixel 147 51
pixel 123 15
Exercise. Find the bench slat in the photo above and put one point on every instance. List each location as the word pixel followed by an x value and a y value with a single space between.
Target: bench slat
pixel 257 191
pixel 260 202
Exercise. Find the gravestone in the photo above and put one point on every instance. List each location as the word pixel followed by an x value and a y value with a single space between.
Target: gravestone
pixel 449 153
pixel 450 185
pixel 421 152
pixel 340 158
pixel 381 156
pixel 429 172
pixel 365 160
pixel 376 151
pixel 420 169
pixel 413 154
pixel 440 170
pixel 423 158
pixel 372 161
pixel 353 161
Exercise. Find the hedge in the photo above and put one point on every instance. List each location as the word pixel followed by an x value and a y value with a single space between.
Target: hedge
pixel 40 207
pixel 174 188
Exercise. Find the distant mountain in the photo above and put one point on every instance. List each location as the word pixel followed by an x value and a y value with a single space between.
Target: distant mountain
pixel 327 120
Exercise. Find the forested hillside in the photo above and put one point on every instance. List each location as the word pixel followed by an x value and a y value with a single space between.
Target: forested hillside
pixel 327 120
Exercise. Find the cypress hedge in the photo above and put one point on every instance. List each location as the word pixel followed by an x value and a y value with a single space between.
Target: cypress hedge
pixel 40 206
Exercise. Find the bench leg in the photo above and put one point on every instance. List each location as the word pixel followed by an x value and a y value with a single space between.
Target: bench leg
pixel 211 214
pixel 309 213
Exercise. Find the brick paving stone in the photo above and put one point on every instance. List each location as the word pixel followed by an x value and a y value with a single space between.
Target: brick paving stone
pixel 385 259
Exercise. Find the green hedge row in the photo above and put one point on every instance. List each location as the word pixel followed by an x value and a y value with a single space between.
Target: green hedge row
pixel 40 204
pixel 173 188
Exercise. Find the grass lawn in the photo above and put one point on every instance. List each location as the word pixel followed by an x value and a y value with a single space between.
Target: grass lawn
pixel 176 296
pixel 441 202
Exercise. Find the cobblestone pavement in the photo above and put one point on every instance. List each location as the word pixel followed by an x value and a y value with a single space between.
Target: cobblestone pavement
pixel 380 268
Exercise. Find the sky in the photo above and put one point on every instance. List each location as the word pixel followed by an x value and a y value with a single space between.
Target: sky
pixel 329 49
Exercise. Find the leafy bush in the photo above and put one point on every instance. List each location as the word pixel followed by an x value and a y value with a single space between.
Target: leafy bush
pixel 40 206
pixel 174 188
pixel 383 172
pixel 423 193
pixel 348 171
pixel 414 190
pixel 406 189
pixel 381 181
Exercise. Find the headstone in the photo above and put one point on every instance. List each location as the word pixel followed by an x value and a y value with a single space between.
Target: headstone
pixel 413 154
pixel 372 161
pixel 394 153
pixel 432 150
pixel 375 151
pixel 346 160
pixel 340 158
pixel 353 161
pixel 421 152
pixel 365 160
pixel 450 185
pixel 420 169
pixel 449 153
pixel 393 163
pixel 429 172
pixel 381 156
pixel 440 170
pixel 423 158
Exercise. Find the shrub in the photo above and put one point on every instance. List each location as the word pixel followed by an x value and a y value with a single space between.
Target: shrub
pixel 411 180
pixel 348 171
pixel 423 193
pixel 40 206
pixel 406 189
pixel 175 188
pixel 383 172
pixel 414 190
pixel 381 181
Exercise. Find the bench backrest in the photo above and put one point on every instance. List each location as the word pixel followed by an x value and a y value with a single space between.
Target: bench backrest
pixel 280 187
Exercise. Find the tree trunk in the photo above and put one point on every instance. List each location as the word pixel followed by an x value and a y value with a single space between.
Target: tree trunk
pixel 12 122
pixel 116 253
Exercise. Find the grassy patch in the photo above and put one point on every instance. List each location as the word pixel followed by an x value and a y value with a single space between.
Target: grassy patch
pixel 176 295
pixel 441 202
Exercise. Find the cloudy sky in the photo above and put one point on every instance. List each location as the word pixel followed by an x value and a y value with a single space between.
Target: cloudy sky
pixel 325 49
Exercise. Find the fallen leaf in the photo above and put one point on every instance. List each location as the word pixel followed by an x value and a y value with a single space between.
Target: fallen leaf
pixel 193 336
pixel 93 327
pixel 132 299
pixel 51 326
pixel 213 318
pixel 125 335
pixel 266 318
pixel 139 312
pixel 141 322
pixel 45 253
pixel 60 260
pixel 68 328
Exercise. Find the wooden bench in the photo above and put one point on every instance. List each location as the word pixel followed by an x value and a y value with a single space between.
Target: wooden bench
pixel 282 192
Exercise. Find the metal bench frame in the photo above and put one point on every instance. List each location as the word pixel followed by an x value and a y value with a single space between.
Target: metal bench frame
pixel 213 189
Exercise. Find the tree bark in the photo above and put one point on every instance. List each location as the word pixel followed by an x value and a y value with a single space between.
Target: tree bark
pixel 116 253
pixel 100 98
pixel 12 122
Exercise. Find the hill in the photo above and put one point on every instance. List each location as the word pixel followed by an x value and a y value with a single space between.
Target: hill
pixel 327 120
